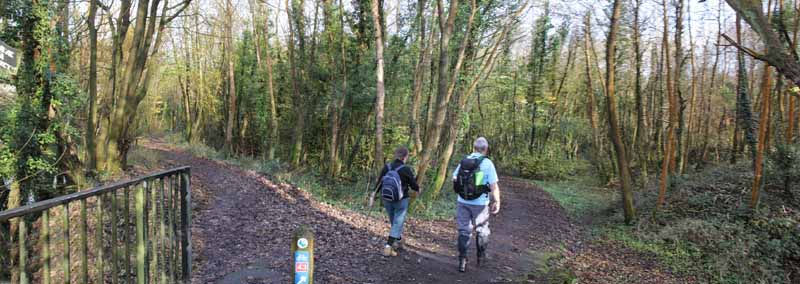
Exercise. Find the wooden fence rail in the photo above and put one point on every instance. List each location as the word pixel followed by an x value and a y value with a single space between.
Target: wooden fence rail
pixel 61 241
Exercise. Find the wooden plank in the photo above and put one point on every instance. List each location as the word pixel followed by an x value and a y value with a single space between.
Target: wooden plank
pixel 46 246
pixel 176 265
pixel 50 203
pixel 148 240
pixel 162 246
pixel 141 251
pixel 66 255
pixel 173 248
pixel 84 273
pixel 154 253
pixel 98 240
pixel 126 237
pixel 186 215
pixel 114 239
pixel 23 252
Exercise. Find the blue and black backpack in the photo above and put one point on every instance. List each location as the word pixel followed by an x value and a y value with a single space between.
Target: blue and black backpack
pixel 391 185
pixel 469 183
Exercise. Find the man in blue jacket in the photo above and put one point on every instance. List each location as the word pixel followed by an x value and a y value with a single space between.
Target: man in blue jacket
pixel 474 213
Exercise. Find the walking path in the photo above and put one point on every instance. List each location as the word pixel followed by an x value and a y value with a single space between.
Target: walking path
pixel 243 226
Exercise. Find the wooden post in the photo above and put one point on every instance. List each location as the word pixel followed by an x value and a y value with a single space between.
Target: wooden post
pixel 65 257
pixel 23 252
pixel 141 277
pixel 84 272
pixel 186 221
pixel 126 223
pixel 151 233
pixel 174 228
pixel 99 241
pixel 162 247
pixel 303 254
pixel 166 186
pixel 46 246
pixel 114 240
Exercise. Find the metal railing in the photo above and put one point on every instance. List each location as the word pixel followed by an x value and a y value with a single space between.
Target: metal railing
pixel 44 244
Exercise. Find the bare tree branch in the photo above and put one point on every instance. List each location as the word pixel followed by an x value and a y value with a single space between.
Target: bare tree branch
pixel 750 52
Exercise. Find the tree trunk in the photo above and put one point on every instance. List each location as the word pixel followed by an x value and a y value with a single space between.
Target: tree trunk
pixel 229 51
pixel 419 78
pixel 713 89
pixel 763 128
pixel 273 108
pixel 688 122
pixel 591 103
pixel 669 149
pixel 487 65
pixel 116 131
pixel 380 88
pixel 792 112
pixel 296 28
pixel 639 138
pixel 766 90
pixel 744 103
pixel 436 123
pixel 776 52
pixel 681 102
pixel 611 105
pixel 91 143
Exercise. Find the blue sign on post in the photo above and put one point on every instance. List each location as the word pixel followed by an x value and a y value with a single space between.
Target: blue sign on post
pixel 301 266
pixel 303 253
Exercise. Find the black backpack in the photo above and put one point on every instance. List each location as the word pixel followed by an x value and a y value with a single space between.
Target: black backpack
pixel 469 180
pixel 391 185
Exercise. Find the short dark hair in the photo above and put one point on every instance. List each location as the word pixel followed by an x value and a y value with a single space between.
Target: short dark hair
pixel 401 153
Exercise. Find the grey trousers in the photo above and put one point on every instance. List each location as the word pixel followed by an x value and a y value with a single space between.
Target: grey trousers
pixel 469 217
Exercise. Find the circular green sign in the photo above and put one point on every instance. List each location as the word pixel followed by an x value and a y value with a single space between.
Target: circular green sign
pixel 302 243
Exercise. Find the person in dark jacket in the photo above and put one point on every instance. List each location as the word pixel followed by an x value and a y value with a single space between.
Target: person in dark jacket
pixel 397 210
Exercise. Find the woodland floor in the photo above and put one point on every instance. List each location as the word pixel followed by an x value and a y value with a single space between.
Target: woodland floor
pixel 243 225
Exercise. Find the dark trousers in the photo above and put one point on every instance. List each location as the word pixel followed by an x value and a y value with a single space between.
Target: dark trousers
pixel 469 217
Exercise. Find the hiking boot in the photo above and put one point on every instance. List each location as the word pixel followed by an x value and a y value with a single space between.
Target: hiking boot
pixel 481 260
pixel 462 264
pixel 388 251
pixel 398 247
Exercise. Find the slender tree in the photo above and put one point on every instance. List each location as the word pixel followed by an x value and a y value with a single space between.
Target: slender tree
pixel 420 68
pixel 229 51
pixel 380 88
pixel 613 124
pixel 91 154
pixel 639 138
pixel 438 116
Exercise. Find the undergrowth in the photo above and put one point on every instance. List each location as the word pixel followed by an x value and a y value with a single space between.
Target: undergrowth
pixel 706 231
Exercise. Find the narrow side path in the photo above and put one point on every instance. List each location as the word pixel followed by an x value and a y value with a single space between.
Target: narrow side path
pixel 244 222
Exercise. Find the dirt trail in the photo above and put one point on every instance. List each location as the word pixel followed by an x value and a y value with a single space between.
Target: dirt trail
pixel 244 222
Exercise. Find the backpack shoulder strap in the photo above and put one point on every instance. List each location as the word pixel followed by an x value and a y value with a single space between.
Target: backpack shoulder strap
pixel 480 160
pixel 400 167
